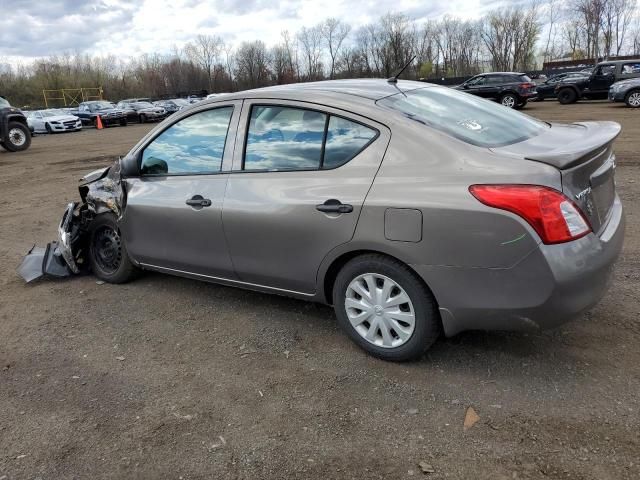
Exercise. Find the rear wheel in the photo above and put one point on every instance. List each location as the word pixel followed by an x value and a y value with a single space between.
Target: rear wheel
pixel 385 308
pixel 107 254
pixel 509 100
pixel 567 96
pixel 521 105
pixel 18 138
pixel 633 99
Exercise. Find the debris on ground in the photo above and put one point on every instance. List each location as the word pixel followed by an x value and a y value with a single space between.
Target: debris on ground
pixel 470 418
pixel 122 359
pixel 426 468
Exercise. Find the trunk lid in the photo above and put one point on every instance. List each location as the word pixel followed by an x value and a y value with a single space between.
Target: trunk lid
pixel 583 153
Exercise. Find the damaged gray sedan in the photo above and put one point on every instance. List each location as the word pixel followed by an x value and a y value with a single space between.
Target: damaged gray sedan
pixel 413 209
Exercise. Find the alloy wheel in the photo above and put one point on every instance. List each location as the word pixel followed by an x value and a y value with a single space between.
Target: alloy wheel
pixel 509 101
pixel 634 99
pixel 17 137
pixel 380 310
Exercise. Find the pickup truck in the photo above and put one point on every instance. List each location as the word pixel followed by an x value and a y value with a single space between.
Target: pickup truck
pixel 596 86
pixel 88 113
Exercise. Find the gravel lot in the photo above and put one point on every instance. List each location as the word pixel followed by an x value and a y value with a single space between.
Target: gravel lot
pixel 171 378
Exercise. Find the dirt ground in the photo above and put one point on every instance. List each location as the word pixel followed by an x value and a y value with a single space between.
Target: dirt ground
pixel 171 378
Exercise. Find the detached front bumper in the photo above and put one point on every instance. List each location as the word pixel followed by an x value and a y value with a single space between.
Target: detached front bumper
pixel 550 286
pixel 616 96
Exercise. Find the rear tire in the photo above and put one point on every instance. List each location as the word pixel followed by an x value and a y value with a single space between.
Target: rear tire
pixel 108 256
pixel 19 137
pixel 521 105
pixel 399 332
pixel 509 100
pixel 567 96
pixel 633 99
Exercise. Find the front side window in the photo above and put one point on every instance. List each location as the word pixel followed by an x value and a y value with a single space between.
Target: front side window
pixel 284 138
pixel 194 145
pixel 474 82
pixel 465 117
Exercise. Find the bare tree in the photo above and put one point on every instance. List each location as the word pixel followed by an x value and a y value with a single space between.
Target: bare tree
pixel 311 41
pixel 205 51
pixel 252 64
pixel 334 32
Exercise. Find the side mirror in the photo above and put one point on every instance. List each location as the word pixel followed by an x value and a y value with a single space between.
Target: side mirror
pixel 130 166
pixel 465 86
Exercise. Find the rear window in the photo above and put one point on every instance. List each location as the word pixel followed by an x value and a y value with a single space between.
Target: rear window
pixel 523 78
pixel 466 117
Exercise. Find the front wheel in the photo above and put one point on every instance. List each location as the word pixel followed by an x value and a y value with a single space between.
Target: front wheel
pixel 123 122
pixel 143 118
pixel 48 128
pixel 633 99
pixel 18 138
pixel 385 308
pixel 107 253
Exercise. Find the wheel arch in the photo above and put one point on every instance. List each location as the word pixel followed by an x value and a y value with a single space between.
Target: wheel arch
pixel 329 271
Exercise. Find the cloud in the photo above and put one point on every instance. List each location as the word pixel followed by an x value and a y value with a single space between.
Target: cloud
pixel 128 28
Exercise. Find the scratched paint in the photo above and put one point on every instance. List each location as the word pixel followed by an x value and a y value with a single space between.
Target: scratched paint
pixel 517 239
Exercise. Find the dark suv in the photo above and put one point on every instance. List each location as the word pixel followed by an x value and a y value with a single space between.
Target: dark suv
pixel 509 88
pixel 596 86
pixel 14 130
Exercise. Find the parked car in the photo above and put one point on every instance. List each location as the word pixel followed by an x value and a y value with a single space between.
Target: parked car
pixel 172 105
pixel 144 111
pixel 15 134
pixel 596 86
pixel 53 121
pixel 411 208
pixel 88 112
pixel 627 91
pixel 508 88
pixel 547 89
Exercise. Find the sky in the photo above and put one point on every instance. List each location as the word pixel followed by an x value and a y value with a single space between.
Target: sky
pixel 35 28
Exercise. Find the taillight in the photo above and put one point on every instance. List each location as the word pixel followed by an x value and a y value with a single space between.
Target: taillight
pixel 527 86
pixel 554 217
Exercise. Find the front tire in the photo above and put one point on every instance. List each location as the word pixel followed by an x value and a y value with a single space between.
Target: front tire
pixel 108 256
pixel 385 308
pixel 123 122
pixel 633 99
pixel 567 96
pixel 19 137
pixel 48 128
pixel 143 118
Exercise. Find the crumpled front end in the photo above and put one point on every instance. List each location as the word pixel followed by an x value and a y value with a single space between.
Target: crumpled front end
pixel 101 192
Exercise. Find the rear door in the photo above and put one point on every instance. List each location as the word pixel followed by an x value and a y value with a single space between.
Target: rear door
pixel 173 216
pixel 300 177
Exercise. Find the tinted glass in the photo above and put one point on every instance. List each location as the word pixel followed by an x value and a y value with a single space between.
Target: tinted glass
pixel 496 79
pixel 284 138
pixel 345 139
pixel 477 81
pixel 522 78
pixel 193 145
pixel 466 117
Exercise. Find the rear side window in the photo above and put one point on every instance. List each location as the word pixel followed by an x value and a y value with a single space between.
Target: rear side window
pixel 345 139
pixel 465 117
pixel 194 145
pixel 629 68
pixel 288 138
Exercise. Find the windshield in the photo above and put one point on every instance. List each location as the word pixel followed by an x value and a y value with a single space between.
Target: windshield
pixel 466 117
pixel 100 106
pixel 143 105
pixel 52 113
pixel 3 103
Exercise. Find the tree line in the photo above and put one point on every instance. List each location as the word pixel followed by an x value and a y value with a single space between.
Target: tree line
pixel 505 39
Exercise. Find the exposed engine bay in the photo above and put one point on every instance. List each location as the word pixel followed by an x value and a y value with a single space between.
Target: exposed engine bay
pixel 100 191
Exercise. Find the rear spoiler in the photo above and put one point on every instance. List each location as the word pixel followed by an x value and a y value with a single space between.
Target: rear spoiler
pixel 597 137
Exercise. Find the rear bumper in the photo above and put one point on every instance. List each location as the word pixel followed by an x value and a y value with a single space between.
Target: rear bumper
pixel 550 286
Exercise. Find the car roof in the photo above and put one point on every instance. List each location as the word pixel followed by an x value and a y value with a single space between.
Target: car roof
pixel 503 73
pixel 370 89
pixel 618 62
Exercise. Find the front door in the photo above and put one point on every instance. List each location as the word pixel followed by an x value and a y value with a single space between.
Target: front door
pixel 603 78
pixel 296 189
pixel 173 215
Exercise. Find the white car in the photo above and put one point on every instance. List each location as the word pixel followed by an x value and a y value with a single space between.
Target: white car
pixel 52 120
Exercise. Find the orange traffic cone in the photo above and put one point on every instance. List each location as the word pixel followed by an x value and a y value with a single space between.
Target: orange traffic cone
pixel 99 123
